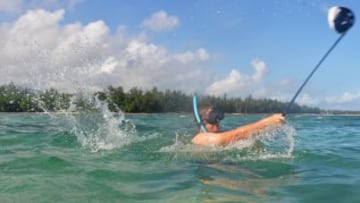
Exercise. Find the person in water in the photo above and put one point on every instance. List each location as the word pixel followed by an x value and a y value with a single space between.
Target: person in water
pixel 211 118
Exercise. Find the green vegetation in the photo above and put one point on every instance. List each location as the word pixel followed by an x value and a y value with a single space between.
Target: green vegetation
pixel 15 99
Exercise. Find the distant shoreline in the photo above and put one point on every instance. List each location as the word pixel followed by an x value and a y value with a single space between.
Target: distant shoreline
pixel 240 114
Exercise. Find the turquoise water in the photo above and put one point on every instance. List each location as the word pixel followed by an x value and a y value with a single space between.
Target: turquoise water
pixel 91 157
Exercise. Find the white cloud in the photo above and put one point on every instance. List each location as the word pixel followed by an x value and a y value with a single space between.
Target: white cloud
pixel 237 83
pixel 310 100
pixel 189 56
pixel 13 6
pixel 160 21
pixel 18 6
pixel 345 101
pixel 38 51
pixel 44 50
pixel 72 3
pixel 260 69
pixel 146 65
pixel 109 65
pixel 148 54
pixel 347 97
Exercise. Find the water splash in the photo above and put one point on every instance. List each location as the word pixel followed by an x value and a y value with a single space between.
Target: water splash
pixel 275 143
pixel 85 115
pixel 95 126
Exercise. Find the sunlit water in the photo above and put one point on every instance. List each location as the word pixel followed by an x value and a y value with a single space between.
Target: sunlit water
pixel 105 157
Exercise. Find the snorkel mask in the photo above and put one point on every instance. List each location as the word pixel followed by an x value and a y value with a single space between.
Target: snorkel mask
pixel 214 116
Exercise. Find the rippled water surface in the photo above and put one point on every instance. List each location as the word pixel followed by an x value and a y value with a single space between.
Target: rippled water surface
pixel 90 157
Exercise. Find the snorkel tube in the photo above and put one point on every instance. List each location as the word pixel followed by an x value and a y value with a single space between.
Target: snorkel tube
pixel 198 120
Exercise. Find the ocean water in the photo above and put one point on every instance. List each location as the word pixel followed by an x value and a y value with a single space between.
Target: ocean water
pixel 102 157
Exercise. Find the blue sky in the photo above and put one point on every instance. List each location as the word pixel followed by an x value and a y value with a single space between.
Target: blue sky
pixel 237 47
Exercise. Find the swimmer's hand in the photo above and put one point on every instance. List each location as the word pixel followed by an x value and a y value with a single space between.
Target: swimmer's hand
pixel 274 120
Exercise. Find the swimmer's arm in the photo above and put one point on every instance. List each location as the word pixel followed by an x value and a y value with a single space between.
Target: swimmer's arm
pixel 241 132
pixel 248 130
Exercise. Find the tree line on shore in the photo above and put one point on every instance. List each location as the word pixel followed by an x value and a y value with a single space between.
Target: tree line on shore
pixel 136 100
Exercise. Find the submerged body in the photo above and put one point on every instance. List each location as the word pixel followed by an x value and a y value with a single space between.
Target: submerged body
pixel 213 137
